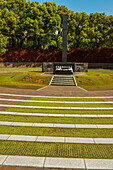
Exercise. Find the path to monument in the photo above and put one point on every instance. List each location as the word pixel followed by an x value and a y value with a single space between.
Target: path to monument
pixel 66 91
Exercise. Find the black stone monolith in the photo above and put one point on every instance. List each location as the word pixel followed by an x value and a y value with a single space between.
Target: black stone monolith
pixel 64 51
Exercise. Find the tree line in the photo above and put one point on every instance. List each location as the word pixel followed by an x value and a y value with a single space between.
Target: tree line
pixel 29 24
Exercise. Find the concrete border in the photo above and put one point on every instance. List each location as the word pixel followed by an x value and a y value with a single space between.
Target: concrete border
pixel 55 162
pixel 59 108
pixel 40 101
pixel 54 139
pixel 97 97
pixel 54 115
pixel 106 126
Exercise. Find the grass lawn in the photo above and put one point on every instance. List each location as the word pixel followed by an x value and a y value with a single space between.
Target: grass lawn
pixel 27 80
pixel 56 149
pixel 12 70
pixel 101 70
pixel 96 80
pixel 66 104
pixel 55 131
pixel 62 120
pixel 32 78
pixel 27 110
pixel 66 99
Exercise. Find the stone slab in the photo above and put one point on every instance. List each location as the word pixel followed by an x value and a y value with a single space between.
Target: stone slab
pixel 72 115
pixel 58 115
pixel 5 123
pixel 22 124
pixel 79 140
pixel 2 158
pixel 89 115
pixel 4 136
pixel 105 115
pixel 64 125
pixel 105 126
pixel 43 124
pixel 99 164
pixel 50 139
pixel 39 114
pixel 103 140
pixel 22 138
pixel 64 163
pixel 24 161
pixel 85 126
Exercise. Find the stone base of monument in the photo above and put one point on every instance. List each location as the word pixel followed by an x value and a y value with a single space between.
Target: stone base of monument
pixel 64 68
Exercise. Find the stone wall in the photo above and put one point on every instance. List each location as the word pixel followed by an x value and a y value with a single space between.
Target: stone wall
pixel 19 64
pixel 48 66
pixel 100 65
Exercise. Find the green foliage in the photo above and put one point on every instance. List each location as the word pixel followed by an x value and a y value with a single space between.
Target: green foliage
pixel 29 24
pixel 3 43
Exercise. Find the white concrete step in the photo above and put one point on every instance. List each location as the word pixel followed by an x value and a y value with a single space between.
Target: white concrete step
pixel 56 125
pixel 56 162
pixel 63 81
pixel 56 139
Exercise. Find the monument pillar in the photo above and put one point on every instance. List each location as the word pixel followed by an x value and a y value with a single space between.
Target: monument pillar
pixel 64 51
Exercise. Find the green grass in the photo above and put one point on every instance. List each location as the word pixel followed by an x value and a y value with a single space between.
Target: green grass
pixel 27 80
pixel 56 150
pixel 12 70
pixel 95 80
pixel 66 104
pixel 62 120
pixel 32 78
pixel 55 131
pixel 101 70
pixel 65 99
pixel 24 110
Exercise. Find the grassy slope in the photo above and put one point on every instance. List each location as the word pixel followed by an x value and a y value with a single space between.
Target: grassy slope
pixel 25 80
pixel 32 78
pixel 96 80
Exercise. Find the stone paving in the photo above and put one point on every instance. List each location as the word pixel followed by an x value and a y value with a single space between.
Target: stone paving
pixel 65 91
pixel 56 139
pixel 62 108
pixel 110 97
pixel 54 115
pixel 53 162
pixel 57 125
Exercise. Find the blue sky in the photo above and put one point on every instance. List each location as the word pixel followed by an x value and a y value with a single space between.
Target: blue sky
pixel 88 6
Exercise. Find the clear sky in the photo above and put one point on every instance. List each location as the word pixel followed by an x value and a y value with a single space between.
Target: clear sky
pixel 88 6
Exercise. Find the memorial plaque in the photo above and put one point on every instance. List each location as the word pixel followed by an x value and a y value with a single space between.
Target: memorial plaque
pixel 63 68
